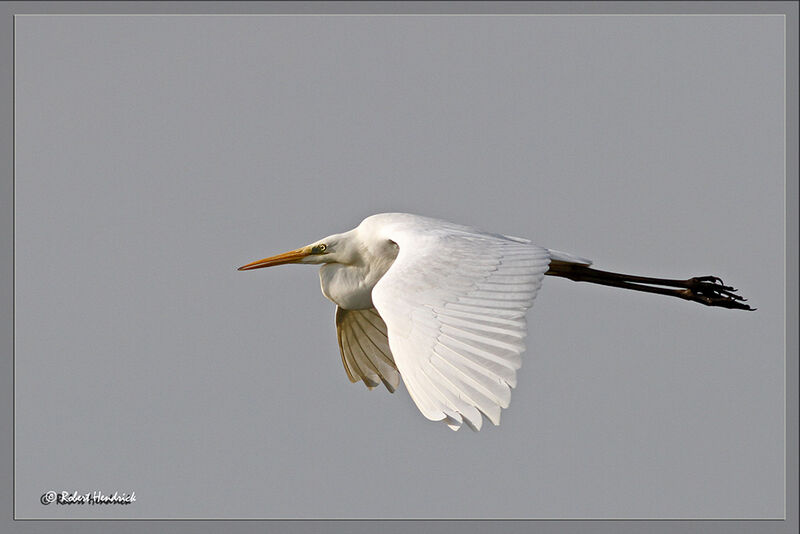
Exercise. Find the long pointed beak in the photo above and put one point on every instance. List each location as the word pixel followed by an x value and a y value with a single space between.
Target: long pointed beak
pixel 293 256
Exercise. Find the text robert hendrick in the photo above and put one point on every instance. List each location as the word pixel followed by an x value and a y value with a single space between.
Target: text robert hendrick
pixel 92 497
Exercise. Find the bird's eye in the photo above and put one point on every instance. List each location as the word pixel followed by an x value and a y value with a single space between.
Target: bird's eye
pixel 318 249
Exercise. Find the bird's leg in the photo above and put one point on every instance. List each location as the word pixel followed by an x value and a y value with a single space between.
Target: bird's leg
pixel 708 290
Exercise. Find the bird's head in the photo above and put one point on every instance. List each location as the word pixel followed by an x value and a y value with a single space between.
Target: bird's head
pixel 337 248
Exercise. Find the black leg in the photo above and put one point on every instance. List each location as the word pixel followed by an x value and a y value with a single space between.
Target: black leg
pixel 708 290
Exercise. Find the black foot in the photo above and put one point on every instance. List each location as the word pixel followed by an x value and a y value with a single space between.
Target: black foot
pixel 711 291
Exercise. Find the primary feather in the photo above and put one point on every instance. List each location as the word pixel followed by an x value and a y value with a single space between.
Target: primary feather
pixel 364 346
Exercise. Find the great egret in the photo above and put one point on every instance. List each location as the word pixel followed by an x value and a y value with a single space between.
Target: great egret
pixel 443 306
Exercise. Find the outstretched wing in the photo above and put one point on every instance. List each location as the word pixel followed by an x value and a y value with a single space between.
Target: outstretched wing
pixel 454 301
pixel 365 348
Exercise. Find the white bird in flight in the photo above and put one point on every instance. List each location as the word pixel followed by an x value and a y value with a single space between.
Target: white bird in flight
pixel 442 306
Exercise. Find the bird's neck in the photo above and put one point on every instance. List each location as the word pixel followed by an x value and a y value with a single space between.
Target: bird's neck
pixel 350 286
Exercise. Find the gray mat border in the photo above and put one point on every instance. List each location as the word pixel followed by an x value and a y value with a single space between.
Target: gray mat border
pixel 10 525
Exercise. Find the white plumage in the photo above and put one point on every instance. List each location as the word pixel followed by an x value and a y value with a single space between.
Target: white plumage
pixel 439 304
pixel 442 306
pixel 454 301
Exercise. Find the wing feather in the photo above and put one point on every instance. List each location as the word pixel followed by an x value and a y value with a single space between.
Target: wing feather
pixel 490 387
pixel 454 304
pixel 358 360
pixel 364 346
pixel 376 347
pixel 471 390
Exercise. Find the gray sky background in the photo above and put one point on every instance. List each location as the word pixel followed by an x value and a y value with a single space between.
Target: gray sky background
pixel 154 155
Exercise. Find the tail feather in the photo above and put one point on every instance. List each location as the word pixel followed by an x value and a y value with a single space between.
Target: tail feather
pixel 557 255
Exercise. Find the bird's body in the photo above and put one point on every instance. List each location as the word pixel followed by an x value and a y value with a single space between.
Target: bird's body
pixel 442 306
pixel 372 248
